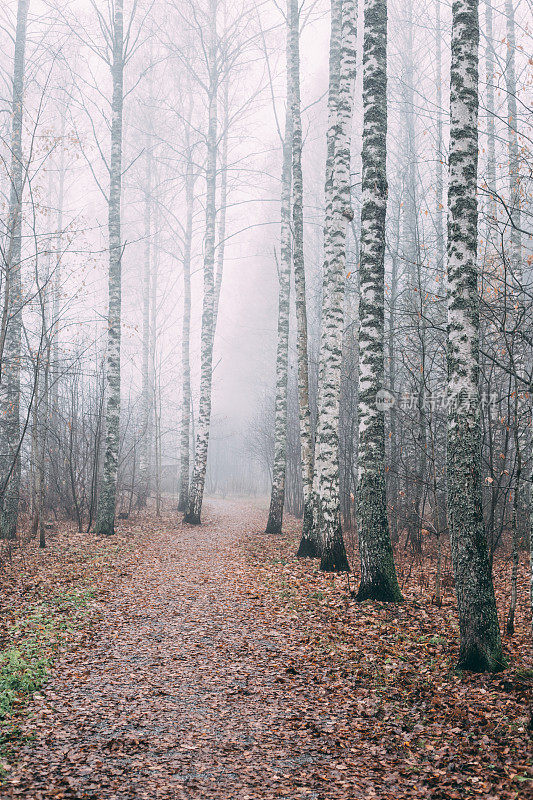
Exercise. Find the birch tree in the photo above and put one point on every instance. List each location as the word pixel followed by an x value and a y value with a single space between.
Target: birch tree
pixel 105 523
pixel 326 511
pixel 378 573
pixel 480 645
pixel 223 197
pixel 11 326
pixel 309 544
pixel 146 389
pixel 185 444
pixel 208 311
pixel 522 403
pixel 277 494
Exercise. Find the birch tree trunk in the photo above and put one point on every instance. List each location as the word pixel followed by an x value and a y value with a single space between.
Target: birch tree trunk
pixel 146 389
pixel 522 416
pixel 309 544
pixel 105 523
pixel 326 501
pixel 277 495
pixel 392 374
pixel 412 251
pixel 221 245
pixel 10 344
pixel 480 644
pixel 439 177
pixel 56 298
pixel 204 418
pixel 42 404
pixel 333 89
pixel 41 394
pixel 378 573
pixel 185 341
pixel 439 495
pixel 490 74
pixel 154 372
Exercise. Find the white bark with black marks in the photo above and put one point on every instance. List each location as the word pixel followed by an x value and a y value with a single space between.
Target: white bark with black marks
pixel 326 501
pixel 309 544
pixel 196 492
pixel 277 494
pixel 105 523
pixel 480 645
pixel 378 573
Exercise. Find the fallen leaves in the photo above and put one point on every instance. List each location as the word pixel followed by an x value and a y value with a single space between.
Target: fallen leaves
pixel 213 664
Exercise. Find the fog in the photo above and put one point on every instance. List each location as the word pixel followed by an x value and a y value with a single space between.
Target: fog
pixel 67 130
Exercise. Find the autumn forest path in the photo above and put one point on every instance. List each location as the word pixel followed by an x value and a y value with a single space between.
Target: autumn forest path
pixel 183 693
pixel 217 665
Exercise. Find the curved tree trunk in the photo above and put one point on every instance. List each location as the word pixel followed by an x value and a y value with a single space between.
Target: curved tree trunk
pixel 378 573
pixel 480 644
pixel 105 523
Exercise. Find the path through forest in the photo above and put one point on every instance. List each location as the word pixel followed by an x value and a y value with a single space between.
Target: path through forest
pixel 184 694
pixel 189 689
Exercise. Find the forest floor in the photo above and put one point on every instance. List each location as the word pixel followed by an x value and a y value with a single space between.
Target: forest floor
pixel 178 662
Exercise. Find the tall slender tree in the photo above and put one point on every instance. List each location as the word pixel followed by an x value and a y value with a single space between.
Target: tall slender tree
pixel 339 214
pixel 11 325
pixel 309 544
pixel 185 444
pixel 146 389
pixel 378 573
pixel 522 402
pixel 223 197
pixel 480 645
pixel 105 523
pixel 490 77
pixel 277 495
pixel 196 492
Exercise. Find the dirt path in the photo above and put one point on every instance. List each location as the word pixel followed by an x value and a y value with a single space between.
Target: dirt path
pixel 183 695
pixel 204 681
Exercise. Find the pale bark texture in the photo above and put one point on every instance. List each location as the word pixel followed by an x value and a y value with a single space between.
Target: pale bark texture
pixel 334 68
pixel 10 339
pixel 378 573
pixel 223 197
pixel 146 388
pixel 413 260
pixel 56 298
pixel 490 75
pixel 105 523
pixel 42 404
pixel 309 544
pixel 196 493
pixel 155 366
pixel 439 494
pixel 439 176
pixel 514 161
pixel 185 428
pixel 277 494
pixel 326 501
pixel 480 645
pixel 522 401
